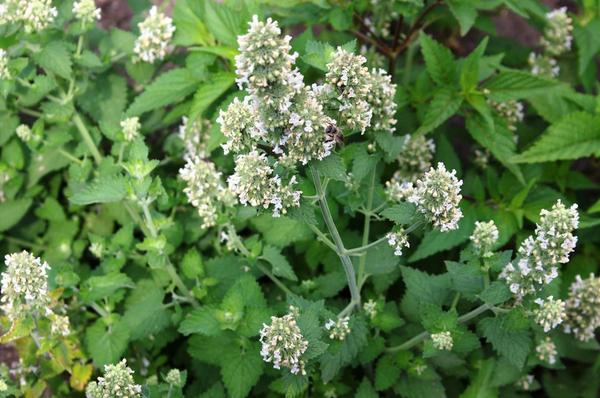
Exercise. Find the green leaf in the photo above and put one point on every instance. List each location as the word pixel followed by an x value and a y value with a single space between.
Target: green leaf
pixel 575 136
pixel 435 241
pixel 281 267
pixel 481 387
pixel 433 289
pixel 281 231
pixel 224 22
pixel 366 390
pixel 12 211
pixel 466 279
pixel 465 13
pixel 241 371
pixel 469 74
pixel 190 30
pixel 445 103
pixel 200 320
pixel 438 60
pixel 500 142
pixel 387 372
pixel 170 87
pixel 332 167
pixel 56 58
pixel 318 54
pixel 586 38
pixel 342 354
pixel 105 189
pixel 401 213
pixel 381 259
pixel 105 344
pixel 509 335
pixel 97 287
pixel 209 92
pixel 496 293
pixel 51 210
pixel 145 313
pixel 513 84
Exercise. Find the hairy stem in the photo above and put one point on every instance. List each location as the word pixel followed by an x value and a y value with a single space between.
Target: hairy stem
pixel 337 240
pixel 362 262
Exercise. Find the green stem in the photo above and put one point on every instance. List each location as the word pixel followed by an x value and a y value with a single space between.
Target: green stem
pixel 337 240
pixel 24 243
pixel 79 46
pixel 362 262
pixel 362 249
pixel 87 138
pixel 424 335
pixel 31 112
pixel 69 156
pixel 101 311
pixel 169 267
pixel 322 237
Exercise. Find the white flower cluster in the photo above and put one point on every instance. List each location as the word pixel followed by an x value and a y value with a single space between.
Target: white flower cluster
pixel 254 184
pixel 525 383
pixel 24 285
pixel 540 255
pixel 4 71
pixel 370 308
pixel 205 189
pixel 511 111
pixel 86 11
pixel 550 313
pixel 437 196
pixel 398 239
pixel 283 343
pixel 557 38
pixel 413 161
pixel 583 308
pixel 131 128
pixel 442 340
pixel 173 378
pixel 484 237
pixel 381 100
pixel 195 137
pixel 338 330
pixel 556 41
pixel 241 125
pixel 546 351
pixel 117 382
pixel 543 65
pixel 25 134
pixel 25 291
pixel 155 36
pixel 35 15
pixel 348 80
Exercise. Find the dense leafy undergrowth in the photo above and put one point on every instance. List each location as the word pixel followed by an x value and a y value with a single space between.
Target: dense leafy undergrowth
pixel 303 199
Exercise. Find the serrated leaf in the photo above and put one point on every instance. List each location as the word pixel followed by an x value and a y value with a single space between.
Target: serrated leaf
pixel 513 84
pixel 387 372
pixel 200 320
pixel 56 58
pixel 575 136
pixel 433 289
pixel 318 54
pixel 401 213
pixel 366 390
pixel 281 231
pixel 224 22
pixel 97 287
pixel 209 92
pixel 281 267
pixel 381 259
pixel 445 103
pixel 342 354
pixel 12 211
pixel 500 142
pixel 241 371
pixel 496 293
pixel 106 345
pixel 587 44
pixel 172 86
pixel 439 61
pixel 465 13
pixel 435 241
pixel 145 313
pixel 466 279
pixel 190 30
pixel 332 167
pixel 106 189
pixel 509 335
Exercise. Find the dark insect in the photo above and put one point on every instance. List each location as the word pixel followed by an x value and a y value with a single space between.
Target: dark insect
pixel 334 134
